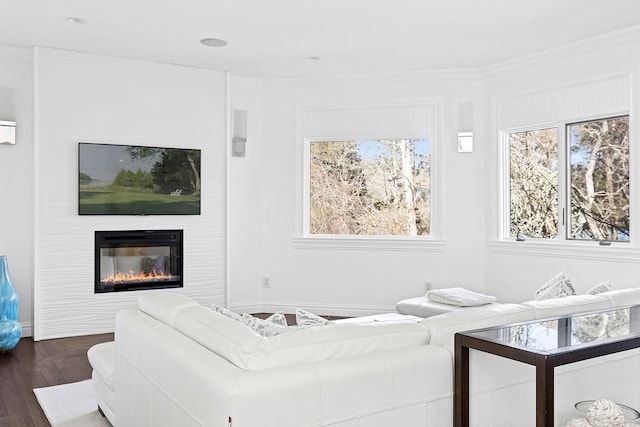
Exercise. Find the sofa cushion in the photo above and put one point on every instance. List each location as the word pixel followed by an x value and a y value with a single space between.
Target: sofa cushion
pixel 221 334
pixel 102 358
pixel 337 341
pixel 444 326
pixel 384 317
pixel 567 305
pixel 423 307
pixel 622 297
pixel 246 349
pixel 164 305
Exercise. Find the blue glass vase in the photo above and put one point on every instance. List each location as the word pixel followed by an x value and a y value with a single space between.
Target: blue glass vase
pixel 10 328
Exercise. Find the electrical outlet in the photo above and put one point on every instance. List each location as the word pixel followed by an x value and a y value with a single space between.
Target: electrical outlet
pixel 427 286
pixel 266 282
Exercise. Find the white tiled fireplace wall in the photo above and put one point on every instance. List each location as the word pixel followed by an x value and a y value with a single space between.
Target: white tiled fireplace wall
pixel 90 98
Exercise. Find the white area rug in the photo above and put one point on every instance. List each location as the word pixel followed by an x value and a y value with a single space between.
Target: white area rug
pixel 71 405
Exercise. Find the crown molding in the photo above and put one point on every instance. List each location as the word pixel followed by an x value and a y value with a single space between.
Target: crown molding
pixel 592 44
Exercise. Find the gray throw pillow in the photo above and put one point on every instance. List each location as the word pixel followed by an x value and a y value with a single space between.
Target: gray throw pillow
pixel 559 286
pixel 306 318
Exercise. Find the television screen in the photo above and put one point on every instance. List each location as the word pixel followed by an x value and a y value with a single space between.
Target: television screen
pixel 137 180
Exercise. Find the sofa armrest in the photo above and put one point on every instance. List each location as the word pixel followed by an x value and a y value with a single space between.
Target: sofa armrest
pixel 572 304
pixel 622 297
pixel 444 327
pixel 160 374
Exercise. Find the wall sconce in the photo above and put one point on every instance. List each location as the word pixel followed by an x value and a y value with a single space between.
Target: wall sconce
pixel 7 132
pixel 239 140
pixel 465 127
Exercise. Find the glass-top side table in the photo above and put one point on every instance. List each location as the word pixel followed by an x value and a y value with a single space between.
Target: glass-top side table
pixel 545 344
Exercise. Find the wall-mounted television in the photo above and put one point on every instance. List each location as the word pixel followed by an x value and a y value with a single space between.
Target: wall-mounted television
pixel 137 180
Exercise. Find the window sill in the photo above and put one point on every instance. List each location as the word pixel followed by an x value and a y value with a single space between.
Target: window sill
pixel 369 243
pixel 618 252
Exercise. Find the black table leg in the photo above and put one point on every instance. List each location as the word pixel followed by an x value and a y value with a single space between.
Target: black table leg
pixel 461 384
pixel 544 393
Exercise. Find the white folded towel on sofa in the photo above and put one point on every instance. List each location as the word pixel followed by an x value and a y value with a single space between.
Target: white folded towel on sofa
pixel 459 296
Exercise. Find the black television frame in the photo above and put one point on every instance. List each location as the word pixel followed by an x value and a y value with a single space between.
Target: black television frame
pixel 172 196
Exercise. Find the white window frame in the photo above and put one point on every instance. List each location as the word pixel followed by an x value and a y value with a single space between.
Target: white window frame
pixel 303 239
pixel 505 171
pixel 581 249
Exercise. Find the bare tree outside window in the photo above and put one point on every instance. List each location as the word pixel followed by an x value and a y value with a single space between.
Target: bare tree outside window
pixel 379 187
pixel 600 179
pixel 534 183
pixel 597 170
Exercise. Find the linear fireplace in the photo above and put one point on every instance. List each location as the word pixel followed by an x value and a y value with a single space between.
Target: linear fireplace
pixel 137 260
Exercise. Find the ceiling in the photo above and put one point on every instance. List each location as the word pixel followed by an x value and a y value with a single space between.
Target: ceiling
pixel 281 38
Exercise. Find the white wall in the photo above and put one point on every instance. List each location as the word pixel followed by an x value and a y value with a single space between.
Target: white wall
pixel 355 281
pixel 91 98
pixel 16 176
pixel 94 98
pixel 350 281
pixel 246 205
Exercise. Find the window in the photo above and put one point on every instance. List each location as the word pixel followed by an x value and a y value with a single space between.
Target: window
pixel 599 179
pixel 533 184
pixel 370 187
pixel 579 168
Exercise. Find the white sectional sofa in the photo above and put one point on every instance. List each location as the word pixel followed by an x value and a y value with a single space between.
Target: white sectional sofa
pixel 181 364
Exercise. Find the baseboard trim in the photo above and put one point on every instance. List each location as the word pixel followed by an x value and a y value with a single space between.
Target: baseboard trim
pixel 27 329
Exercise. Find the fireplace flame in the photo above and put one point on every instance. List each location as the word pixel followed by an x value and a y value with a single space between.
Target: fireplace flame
pixel 132 276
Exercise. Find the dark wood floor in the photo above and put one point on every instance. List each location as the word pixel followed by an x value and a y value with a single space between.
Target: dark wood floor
pixel 40 364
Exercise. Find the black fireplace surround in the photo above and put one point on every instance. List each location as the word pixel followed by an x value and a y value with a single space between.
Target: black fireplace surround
pixel 138 260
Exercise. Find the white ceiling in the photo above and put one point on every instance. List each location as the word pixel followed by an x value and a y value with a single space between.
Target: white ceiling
pixel 275 38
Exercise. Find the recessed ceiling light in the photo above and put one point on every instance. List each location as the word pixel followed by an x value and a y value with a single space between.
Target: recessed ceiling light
pixel 213 42
pixel 313 58
pixel 76 20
